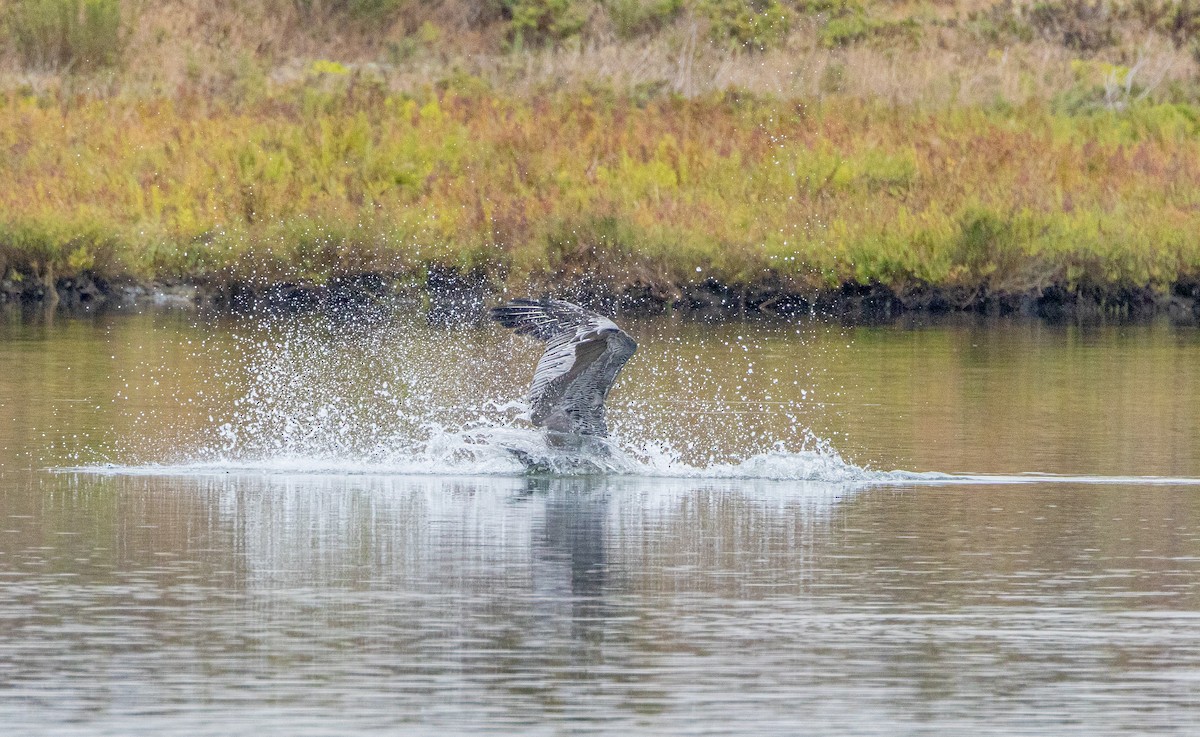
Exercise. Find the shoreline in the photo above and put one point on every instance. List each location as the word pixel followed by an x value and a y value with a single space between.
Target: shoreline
pixel 857 161
pixel 449 297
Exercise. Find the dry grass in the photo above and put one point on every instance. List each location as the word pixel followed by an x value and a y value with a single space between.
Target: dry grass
pixel 261 141
pixel 224 49
pixel 307 184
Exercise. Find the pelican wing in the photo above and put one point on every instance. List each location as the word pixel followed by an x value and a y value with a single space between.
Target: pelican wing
pixel 584 353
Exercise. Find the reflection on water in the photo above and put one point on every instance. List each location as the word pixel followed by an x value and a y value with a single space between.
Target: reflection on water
pixel 301 605
pixel 999 398
pixel 265 602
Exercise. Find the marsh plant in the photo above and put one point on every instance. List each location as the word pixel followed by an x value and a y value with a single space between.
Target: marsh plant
pixel 820 143
pixel 308 184
pixel 66 34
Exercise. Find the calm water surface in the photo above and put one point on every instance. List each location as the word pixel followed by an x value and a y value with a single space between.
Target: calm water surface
pixel 259 557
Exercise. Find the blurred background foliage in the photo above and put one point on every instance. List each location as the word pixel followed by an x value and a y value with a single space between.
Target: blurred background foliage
pixel 972 143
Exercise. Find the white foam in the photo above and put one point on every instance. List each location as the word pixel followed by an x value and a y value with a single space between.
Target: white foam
pixel 495 452
pixel 311 397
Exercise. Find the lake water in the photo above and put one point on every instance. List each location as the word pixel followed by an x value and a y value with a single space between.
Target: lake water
pixel 309 527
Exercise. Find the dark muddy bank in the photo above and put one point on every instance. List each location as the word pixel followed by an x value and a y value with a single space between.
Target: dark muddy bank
pixel 450 297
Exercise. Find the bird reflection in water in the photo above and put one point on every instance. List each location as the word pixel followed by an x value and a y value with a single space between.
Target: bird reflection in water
pixel 569 564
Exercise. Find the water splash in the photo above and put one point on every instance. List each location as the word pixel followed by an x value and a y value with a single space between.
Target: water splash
pixel 317 394
pixel 515 452
pixel 395 396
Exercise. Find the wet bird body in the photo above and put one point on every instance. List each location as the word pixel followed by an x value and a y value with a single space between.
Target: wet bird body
pixel 584 353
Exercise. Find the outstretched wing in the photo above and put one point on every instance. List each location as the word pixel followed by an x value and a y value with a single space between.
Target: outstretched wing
pixel 569 332
pixel 545 319
pixel 584 353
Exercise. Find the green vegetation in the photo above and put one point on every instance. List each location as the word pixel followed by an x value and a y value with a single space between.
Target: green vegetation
pixel 633 18
pixel 749 24
pixel 74 34
pixel 364 10
pixel 648 143
pixel 309 184
pixel 537 22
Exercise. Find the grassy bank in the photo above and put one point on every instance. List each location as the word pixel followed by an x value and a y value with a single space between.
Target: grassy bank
pixel 306 185
pixel 301 170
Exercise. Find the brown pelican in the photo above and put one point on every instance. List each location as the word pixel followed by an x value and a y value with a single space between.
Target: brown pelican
pixel 584 353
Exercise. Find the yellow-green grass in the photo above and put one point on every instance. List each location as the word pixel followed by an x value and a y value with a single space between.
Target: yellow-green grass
pixel 311 182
